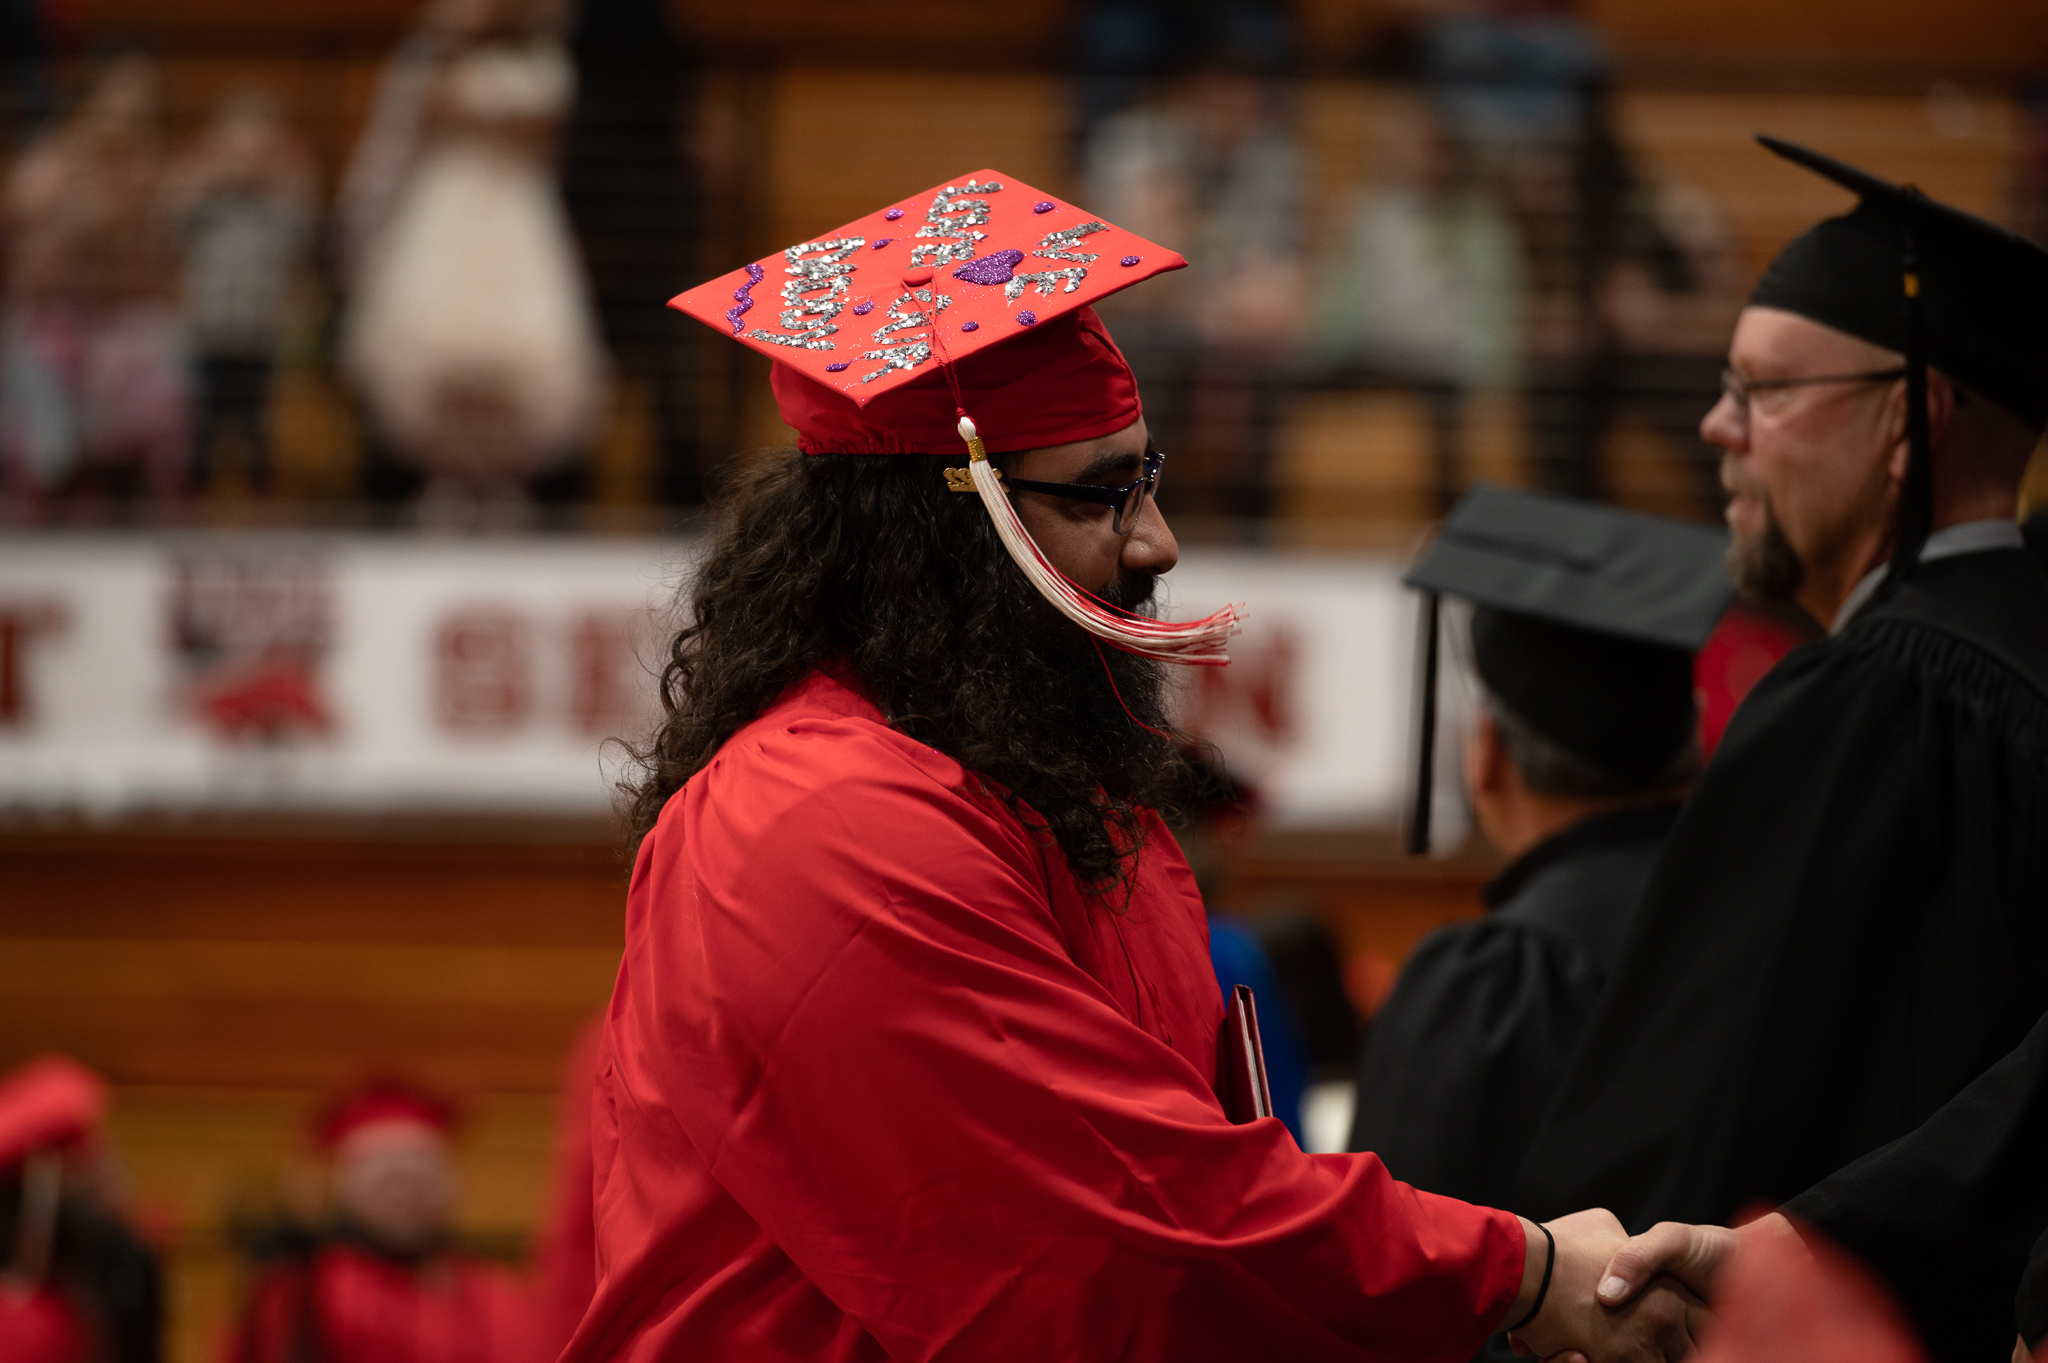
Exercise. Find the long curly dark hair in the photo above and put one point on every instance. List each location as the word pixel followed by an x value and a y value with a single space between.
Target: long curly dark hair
pixel 870 560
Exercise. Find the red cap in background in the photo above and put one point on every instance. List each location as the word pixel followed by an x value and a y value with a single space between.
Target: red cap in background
pixel 382 1100
pixel 51 1101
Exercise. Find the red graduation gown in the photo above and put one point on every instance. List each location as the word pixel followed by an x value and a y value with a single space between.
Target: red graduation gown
pixel 365 1309
pixel 41 1327
pixel 878 1081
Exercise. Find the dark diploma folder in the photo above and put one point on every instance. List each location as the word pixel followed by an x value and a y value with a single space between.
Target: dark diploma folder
pixel 1242 1086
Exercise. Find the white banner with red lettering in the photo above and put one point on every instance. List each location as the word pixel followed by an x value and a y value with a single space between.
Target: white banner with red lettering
pixel 362 671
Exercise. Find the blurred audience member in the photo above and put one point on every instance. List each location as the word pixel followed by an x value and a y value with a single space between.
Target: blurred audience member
pixel 1122 47
pixel 241 204
pixel 1630 283
pixel 76 1286
pixel 384 1283
pixel 1422 277
pixel 1421 282
pixel 1522 86
pixel 93 388
pixel 1211 166
pixel 470 333
pixel 635 197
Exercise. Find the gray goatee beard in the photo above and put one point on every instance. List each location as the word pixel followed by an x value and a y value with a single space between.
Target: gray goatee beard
pixel 1764 567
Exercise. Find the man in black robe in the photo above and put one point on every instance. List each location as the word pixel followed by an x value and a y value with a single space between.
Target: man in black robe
pixel 1586 741
pixel 1850 922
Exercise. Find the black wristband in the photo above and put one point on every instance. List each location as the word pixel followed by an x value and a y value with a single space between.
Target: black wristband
pixel 1542 1288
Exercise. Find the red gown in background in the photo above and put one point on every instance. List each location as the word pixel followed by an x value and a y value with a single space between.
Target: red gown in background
pixel 878 1081
pixel 352 1306
pixel 41 1327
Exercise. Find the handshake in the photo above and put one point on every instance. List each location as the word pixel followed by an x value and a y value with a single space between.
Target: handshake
pixel 1610 1298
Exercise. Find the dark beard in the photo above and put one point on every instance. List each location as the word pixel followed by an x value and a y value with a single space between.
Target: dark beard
pixel 871 561
pixel 1074 696
pixel 1764 568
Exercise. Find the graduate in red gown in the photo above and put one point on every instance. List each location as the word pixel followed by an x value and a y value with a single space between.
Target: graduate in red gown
pixel 384 1285
pixel 913 1053
pixel 76 1285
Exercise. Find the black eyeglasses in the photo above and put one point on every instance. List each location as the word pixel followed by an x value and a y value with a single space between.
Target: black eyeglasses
pixel 1739 387
pixel 1128 500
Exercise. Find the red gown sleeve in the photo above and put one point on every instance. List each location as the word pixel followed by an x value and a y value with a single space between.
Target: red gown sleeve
pixel 851 999
pixel 275 1324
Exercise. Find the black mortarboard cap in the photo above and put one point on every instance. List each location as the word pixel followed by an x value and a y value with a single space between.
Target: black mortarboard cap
pixel 1983 290
pixel 1938 285
pixel 1585 624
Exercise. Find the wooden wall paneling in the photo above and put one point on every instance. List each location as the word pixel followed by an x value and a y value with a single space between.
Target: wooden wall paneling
pixel 222 961
pixel 1959 148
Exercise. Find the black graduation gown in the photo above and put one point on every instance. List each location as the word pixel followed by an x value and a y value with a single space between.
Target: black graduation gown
pixel 1848 926
pixel 1947 1211
pixel 1466 1054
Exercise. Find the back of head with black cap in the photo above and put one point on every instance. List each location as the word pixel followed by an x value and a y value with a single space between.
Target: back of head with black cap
pixel 1938 285
pixel 1585 625
pixel 1586 713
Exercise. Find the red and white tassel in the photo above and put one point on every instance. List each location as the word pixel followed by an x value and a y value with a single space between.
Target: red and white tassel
pixel 1198 642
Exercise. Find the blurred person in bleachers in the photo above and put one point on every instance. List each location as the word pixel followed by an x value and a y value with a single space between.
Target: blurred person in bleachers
pixel 1629 282
pixel 636 199
pixel 383 1281
pixel 1210 163
pixel 93 368
pixel 1668 296
pixel 1521 85
pixel 241 203
pixel 470 333
pixel 76 1285
pixel 1422 281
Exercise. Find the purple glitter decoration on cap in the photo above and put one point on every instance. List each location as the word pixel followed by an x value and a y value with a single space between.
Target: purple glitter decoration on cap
pixel 1027 318
pixel 1132 260
pixel 1044 206
pixel 879 242
pixel 743 302
pixel 990 269
pixel 970 326
pixel 863 309
pixel 835 368
pixel 893 214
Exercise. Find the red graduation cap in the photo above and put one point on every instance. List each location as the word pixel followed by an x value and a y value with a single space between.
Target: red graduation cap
pixel 984 273
pixel 381 1100
pixel 51 1101
pixel 962 309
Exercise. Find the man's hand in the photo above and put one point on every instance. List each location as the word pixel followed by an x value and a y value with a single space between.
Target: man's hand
pixel 1692 1254
pixel 1657 1327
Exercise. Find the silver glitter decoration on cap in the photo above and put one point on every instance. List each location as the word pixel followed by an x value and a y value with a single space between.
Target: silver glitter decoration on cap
pixel 1058 245
pixel 1046 281
pixel 815 267
pixel 951 221
pixel 907 354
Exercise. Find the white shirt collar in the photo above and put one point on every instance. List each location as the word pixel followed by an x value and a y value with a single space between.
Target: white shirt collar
pixel 1968 537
